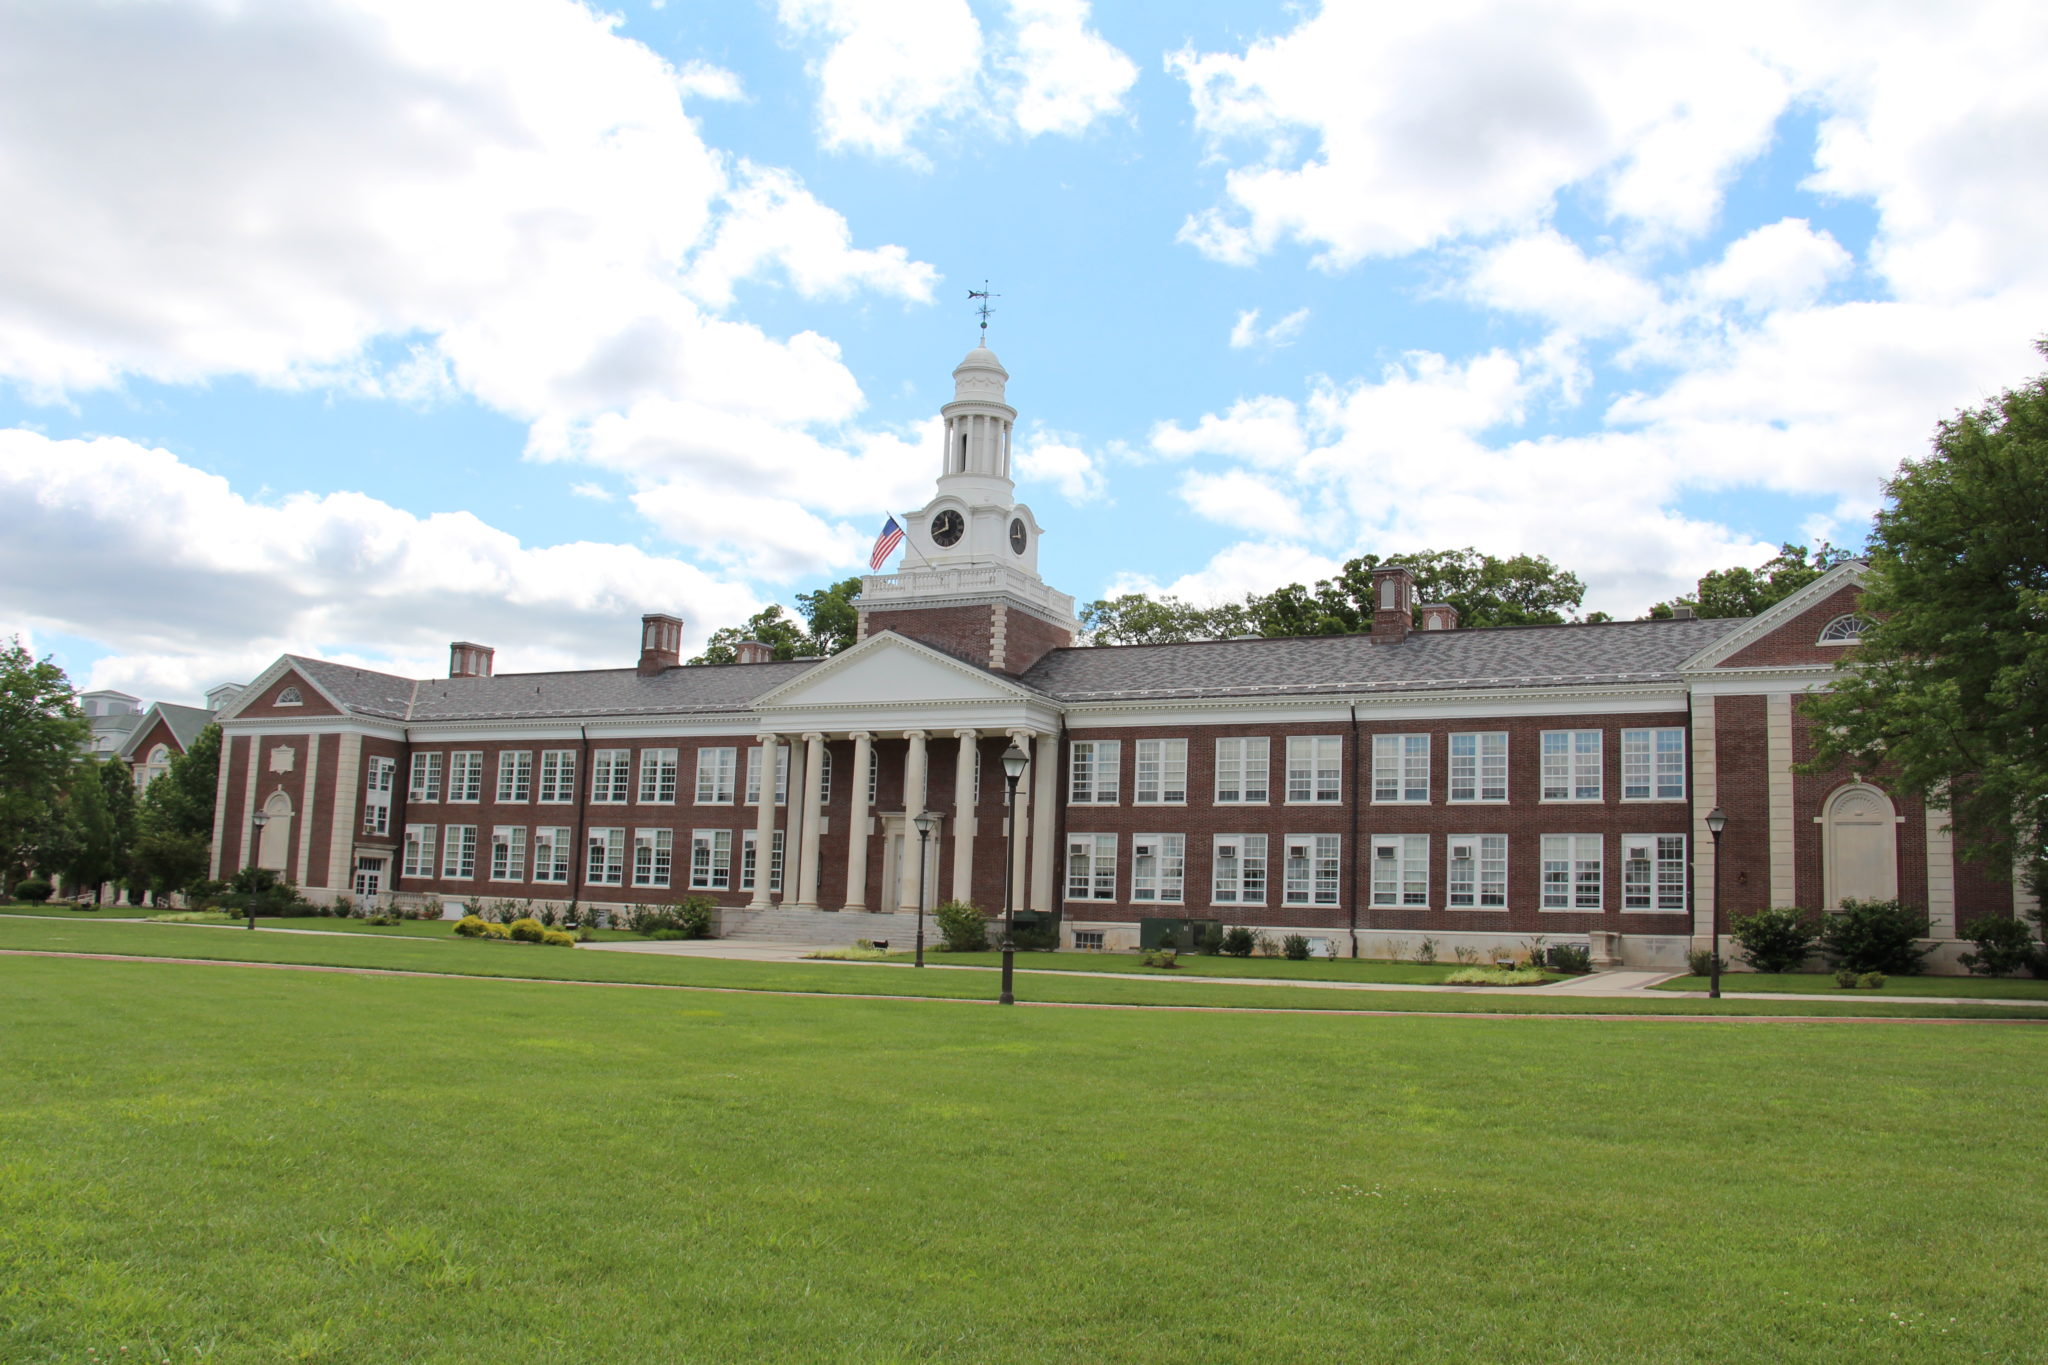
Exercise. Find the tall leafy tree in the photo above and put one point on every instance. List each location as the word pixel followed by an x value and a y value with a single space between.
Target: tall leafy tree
pixel 174 825
pixel 1948 690
pixel 117 791
pixel 829 625
pixel 42 731
pixel 1135 619
pixel 92 843
pixel 831 616
pixel 1742 591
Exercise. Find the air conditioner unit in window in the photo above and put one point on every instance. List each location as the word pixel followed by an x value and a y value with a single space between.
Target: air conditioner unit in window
pixel 1638 852
pixel 1384 851
pixel 1464 851
pixel 1229 850
pixel 1145 850
pixel 1299 850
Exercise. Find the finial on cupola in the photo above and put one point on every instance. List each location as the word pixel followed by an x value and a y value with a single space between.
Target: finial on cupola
pixel 985 309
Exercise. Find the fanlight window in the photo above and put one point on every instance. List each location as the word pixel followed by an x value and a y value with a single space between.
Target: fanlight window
pixel 1844 630
pixel 290 696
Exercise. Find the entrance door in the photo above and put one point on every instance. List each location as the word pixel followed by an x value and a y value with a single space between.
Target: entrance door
pixel 369 878
pixel 899 845
pixel 1860 845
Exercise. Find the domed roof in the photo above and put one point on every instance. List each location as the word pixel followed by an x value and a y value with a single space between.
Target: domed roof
pixel 981 358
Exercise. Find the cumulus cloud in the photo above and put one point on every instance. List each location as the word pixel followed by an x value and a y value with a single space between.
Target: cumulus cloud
pixel 200 584
pixel 1246 332
pixel 1237 498
pixel 1245 567
pixel 1057 460
pixel 1067 74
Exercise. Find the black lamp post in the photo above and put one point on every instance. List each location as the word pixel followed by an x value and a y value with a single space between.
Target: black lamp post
pixel 1717 820
pixel 924 822
pixel 1014 763
pixel 257 821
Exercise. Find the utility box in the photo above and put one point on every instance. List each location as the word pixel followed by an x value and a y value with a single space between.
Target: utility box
pixel 1151 931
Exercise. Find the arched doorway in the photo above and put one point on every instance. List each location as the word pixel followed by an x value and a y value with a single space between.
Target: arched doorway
pixel 1860 845
pixel 273 849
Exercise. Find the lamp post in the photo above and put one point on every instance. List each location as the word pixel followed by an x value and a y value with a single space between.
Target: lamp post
pixel 257 821
pixel 924 822
pixel 1717 820
pixel 1014 763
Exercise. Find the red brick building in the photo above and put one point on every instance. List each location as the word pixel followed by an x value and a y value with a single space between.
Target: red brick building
pixel 1477 787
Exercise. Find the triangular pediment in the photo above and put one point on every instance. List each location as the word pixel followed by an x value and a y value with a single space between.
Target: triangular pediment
pixel 1778 616
pixel 889 670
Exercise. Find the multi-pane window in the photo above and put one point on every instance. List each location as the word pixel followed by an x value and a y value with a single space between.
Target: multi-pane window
pixel 1311 869
pixel 716 768
pixel 551 853
pixel 1400 768
pixel 1162 772
pixel 606 862
pixel 1159 867
pixel 1572 872
pixel 426 778
pixel 658 776
pixel 1400 869
pixel 875 775
pixel 611 773
pixel 1477 872
pixel 508 853
pixel 748 841
pixel 1571 765
pixel 377 795
pixel 653 850
pixel 825 777
pixel 1241 771
pixel 1239 870
pixel 1315 768
pixel 781 775
pixel 710 860
pixel 1091 867
pixel 419 850
pixel 1479 766
pixel 465 775
pixel 1653 872
pixel 1092 779
pixel 515 775
pixel 458 853
pixel 558 776
pixel 1653 765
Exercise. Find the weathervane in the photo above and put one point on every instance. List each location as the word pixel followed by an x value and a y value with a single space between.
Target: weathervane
pixel 983 294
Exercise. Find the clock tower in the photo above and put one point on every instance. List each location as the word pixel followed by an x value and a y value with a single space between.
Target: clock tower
pixel 968 582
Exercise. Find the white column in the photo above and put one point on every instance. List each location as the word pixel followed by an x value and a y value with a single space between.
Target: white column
pixel 911 864
pixel 857 824
pixel 220 811
pixel 1020 840
pixel 1778 790
pixel 343 815
pixel 246 839
pixel 814 778
pixel 1941 876
pixel 1706 790
pixel 309 805
pixel 1042 819
pixel 963 817
pixel 764 823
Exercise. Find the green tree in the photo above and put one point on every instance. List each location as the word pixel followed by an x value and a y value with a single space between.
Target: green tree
pixel 93 853
pixel 41 734
pixel 1487 590
pixel 833 621
pixel 1948 690
pixel 1747 592
pixel 1133 618
pixel 117 791
pixel 174 825
pixel 828 613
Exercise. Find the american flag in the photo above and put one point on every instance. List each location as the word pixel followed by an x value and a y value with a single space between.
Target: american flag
pixel 885 544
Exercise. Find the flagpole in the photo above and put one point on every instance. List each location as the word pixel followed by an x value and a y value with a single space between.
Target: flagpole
pixel 908 547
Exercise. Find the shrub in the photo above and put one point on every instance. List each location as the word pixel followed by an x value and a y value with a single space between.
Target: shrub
pixel 1209 938
pixel 1239 941
pixel 1042 937
pixel 1295 947
pixel 2003 946
pixel 1169 939
pixel 203 894
pixel 494 930
pixel 1466 954
pixel 528 930
pixel 1575 958
pixel 1425 951
pixel 1775 940
pixel 1875 936
pixel 1700 961
pixel 962 927
pixel 470 926
pixel 1163 957
pixel 1846 979
pixel 1495 976
pixel 261 892
pixel 1871 981
pixel 33 890
pixel 555 938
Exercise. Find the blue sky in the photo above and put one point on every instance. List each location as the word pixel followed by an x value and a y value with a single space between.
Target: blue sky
pixel 356 326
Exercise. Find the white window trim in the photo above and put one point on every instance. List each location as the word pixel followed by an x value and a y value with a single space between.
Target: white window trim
pixel 1400 747
pixel 1683 863
pixel 709 766
pixel 514 841
pixel 1159 879
pixel 1099 849
pixel 660 871
pixel 511 769
pixel 1599 767
pixel 1244 763
pixel 1311 897
pixel 450 847
pixel 652 763
pixel 1542 857
pixel 1684 767
pixel 615 860
pixel 1244 841
pixel 431 765
pixel 1165 764
pixel 561 837
pixel 1451 797
pixel 1104 756
pixel 565 791
pixel 1478 870
pixel 1398 842
pixel 1842 642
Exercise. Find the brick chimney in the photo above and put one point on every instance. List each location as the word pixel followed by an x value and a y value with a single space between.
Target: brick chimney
pixel 1439 616
pixel 466 660
pixel 753 652
pixel 661 644
pixel 1393 603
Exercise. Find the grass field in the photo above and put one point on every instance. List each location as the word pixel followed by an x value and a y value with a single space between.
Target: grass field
pixel 1815 983
pixel 470 958
pixel 1195 964
pixel 203 1163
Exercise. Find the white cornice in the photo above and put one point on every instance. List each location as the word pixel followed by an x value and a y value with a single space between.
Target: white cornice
pixel 1378 707
pixel 1849 574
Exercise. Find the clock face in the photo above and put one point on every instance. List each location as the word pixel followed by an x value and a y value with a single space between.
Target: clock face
pixel 948 527
pixel 1018 535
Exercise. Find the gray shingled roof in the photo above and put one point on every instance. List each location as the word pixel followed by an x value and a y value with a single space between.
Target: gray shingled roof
pixel 510 696
pixel 1522 656
pixel 185 721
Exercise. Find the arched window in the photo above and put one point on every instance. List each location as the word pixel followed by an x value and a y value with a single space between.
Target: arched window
pixel 158 764
pixel 825 779
pixel 1846 629
pixel 290 697
pixel 1859 845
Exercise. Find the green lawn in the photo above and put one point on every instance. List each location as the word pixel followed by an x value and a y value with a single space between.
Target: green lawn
pixel 66 909
pixel 243 1166
pixel 516 960
pixel 1194 964
pixel 1815 983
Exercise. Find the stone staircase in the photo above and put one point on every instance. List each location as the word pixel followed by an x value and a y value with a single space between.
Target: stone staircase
pixel 842 927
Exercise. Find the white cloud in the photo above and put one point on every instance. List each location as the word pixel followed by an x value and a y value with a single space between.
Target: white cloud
pixel 1546 274
pixel 1068 75
pixel 190 583
pixel 1263 430
pixel 773 221
pixel 1246 332
pixel 596 492
pixel 1785 264
pixel 1245 567
pixel 1056 460
pixel 1236 498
